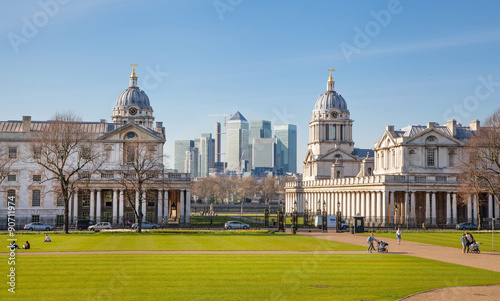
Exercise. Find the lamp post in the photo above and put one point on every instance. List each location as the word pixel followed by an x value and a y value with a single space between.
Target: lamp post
pixel 266 215
pixel 281 224
pixel 294 218
pixel 325 219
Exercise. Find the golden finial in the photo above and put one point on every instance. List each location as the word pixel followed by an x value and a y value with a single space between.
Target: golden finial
pixel 133 69
pixel 331 70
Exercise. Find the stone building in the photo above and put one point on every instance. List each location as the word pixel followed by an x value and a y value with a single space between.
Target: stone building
pixel 410 176
pixel 101 198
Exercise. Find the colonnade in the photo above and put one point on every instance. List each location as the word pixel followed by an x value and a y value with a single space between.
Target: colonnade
pixel 382 207
pixel 181 211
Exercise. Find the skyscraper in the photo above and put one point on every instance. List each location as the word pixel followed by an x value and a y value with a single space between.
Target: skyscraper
pixel 260 129
pixel 180 149
pixel 237 142
pixel 206 152
pixel 287 147
pixel 263 152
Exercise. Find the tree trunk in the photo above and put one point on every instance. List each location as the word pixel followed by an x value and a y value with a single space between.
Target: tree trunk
pixel 66 216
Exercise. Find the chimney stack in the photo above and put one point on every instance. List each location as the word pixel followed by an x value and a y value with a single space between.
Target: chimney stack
pixel 26 123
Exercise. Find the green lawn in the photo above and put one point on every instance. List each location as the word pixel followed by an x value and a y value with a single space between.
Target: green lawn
pixel 234 277
pixel 444 238
pixel 158 240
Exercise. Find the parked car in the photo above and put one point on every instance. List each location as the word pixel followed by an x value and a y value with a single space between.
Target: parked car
pixel 100 226
pixel 236 225
pixel 146 225
pixel 83 224
pixel 466 226
pixel 38 226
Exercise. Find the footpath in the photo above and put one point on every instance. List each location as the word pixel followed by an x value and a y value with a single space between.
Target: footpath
pixel 485 260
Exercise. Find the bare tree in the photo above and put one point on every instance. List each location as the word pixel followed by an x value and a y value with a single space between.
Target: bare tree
pixel 6 162
pixel 139 173
pixel 67 151
pixel 269 187
pixel 480 167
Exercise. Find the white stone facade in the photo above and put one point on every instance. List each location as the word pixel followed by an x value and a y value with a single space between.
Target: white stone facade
pixel 412 178
pixel 102 197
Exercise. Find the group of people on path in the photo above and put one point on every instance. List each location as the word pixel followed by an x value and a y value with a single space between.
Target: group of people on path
pixel 467 240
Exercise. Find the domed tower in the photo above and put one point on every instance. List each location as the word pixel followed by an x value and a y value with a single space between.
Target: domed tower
pixel 330 137
pixel 132 106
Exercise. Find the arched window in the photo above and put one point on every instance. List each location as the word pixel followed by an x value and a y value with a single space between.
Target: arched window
pixel 452 157
pixel 431 140
pixel 369 171
pixel 338 174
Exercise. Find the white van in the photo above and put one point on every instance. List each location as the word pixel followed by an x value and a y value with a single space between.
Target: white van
pixel 331 222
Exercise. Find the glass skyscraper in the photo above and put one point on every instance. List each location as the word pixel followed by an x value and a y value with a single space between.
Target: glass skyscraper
pixel 286 150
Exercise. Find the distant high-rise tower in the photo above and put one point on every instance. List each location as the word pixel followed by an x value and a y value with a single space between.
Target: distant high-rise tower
pixel 237 142
pixel 180 149
pixel 287 146
pixel 263 152
pixel 218 142
pixel 260 129
pixel 206 151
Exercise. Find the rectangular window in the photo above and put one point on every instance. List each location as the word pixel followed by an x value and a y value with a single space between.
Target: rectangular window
pixel 130 154
pixel 12 152
pixel 150 217
pixel 35 198
pixel 85 215
pixel 107 175
pixel 430 158
pixel 108 216
pixel 60 200
pixel 85 197
pixel 35 218
pixel 37 178
pixel 129 216
pixel 11 178
pixel 59 220
pixel 108 198
pixel 327 131
pixel 86 153
pixel 334 132
pixel 37 153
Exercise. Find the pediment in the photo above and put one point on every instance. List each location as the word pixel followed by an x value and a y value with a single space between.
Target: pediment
pixel 441 137
pixel 128 131
pixel 386 141
pixel 331 155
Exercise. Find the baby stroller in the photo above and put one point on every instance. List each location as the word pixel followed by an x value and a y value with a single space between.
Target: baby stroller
pixel 474 248
pixel 382 247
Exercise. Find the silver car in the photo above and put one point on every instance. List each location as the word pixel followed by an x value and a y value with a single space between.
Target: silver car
pixel 38 227
pixel 146 225
pixel 100 226
pixel 236 225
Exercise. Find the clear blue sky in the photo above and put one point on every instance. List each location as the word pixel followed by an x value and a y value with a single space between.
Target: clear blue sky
pixel 397 62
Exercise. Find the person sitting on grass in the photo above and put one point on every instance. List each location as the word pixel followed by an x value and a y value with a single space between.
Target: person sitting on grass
pixel 26 245
pixel 14 246
pixel 47 238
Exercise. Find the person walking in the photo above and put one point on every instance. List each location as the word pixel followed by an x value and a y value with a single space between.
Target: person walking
pixel 370 241
pixel 464 242
pixel 398 236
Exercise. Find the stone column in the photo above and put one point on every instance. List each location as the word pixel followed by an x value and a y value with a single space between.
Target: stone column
pixel 427 207
pixel 188 206
pixel 469 209
pixel 160 206
pixel 75 205
pixel 407 207
pixel 413 206
pixel 181 209
pixel 393 213
pixel 92 205
pixel 434 215
pixel 165 206
pixel 120 207
pixel 385 205
pixel 373 206
pixel 448 208
pixel 454 207
pixel 474 210
pixel 490 206
pixel 115 206
pixel 98 206
pixel 144 206
pixel 362 204
pixel 136 204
